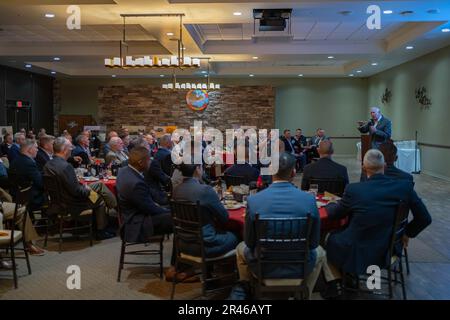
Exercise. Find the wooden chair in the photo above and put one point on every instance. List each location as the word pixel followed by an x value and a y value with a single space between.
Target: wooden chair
pixel 334 186
pixel 188 223
pixel 279 242
pixel 13 236
pixel 65 215
pixel 144 252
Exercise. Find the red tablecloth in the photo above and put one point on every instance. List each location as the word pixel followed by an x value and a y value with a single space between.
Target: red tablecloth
pixel 110 183
pixel 237 220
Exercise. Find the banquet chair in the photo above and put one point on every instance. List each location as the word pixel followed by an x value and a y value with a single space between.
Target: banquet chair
pixel 143 252
pixel 13 237
pixel 188 222
pixel 64 215
pixel 290 245
pixel 334 186
pixel 235 180
pixel 394 265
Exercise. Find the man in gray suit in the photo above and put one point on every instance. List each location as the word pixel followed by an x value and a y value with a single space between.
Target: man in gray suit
pixel 379 127
pixel 215 216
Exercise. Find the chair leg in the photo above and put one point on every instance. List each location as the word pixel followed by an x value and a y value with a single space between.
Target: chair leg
pixel 60 233
pixel 14 266
pixel 161 250
pixel 406 261
pixel 389 270
pixel 27 257
pixel 402 278
pixel 122 255
pixel 174 280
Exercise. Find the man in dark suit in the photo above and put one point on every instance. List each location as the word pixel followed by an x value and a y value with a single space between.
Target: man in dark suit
pixel 325 167
pixel 290 146
pixel 6 144
pixel 372 206
pixel 160 169
pixel 314 145
pixel 245 170
pixel 45 152
pixel 379 127
pixel 14 151
pixel 141 215
pixel 82 149
pixel 281 200
pixel 75 196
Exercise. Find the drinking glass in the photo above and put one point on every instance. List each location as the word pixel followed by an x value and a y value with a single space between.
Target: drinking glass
pixel 314 189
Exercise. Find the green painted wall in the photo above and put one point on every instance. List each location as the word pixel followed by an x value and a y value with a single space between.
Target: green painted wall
pixel 433 72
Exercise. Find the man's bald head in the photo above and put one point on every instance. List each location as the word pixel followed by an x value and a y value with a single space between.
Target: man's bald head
pixel 325 148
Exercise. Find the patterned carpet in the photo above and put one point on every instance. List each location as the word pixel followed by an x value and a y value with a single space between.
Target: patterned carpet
pixel 429 260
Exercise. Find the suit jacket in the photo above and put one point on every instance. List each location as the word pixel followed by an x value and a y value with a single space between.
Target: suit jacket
pixel 372 206
pixel 136 205
pixel 26 170
pixel 392 171
pixel 41 159
pixel 160 168
pixel 74 195
pixel 299 143
pixel 4 148
pixel 80 152
pixel 324 168
pixel 288 147
pixel 282 200
pixel 215 216
pixel 316 140
pixel 381 135
pixel 13 152
pixel 245 170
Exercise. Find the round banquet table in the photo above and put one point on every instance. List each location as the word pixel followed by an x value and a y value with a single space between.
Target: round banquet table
pixel 110 183
pixel 236 221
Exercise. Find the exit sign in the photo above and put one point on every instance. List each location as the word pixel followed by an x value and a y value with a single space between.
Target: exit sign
pixel 19 104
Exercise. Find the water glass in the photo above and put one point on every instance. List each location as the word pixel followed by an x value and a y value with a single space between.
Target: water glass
pixel 314 189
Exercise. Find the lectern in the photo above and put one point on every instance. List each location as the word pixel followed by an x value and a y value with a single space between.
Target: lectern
pixel 366 144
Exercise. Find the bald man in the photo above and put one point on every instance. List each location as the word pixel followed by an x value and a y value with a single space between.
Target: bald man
pixel 379 128
pixel 325 167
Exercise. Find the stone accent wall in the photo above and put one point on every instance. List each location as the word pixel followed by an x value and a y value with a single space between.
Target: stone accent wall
pixel 229 107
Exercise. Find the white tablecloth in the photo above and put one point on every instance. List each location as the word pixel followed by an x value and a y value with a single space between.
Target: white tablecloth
pixel 405 152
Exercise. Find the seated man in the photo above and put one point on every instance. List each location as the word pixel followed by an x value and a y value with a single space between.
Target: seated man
pixel 160 171
pixel 74 195
pixel 245 170
pixel 6 144
pixel 116 155
pixel 82 149
pixel 14 151
pixel 142 218
pixel 281 200
pixel 315 141
pixel 372 205
pixel 107 147
pixel 215 215
pixel 45 152
pixel 325 167
pixel 290 146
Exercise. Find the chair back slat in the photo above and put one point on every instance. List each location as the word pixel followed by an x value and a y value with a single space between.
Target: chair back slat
pixel 399 227
pixel 335 186
pixel 51 187
pixel 281 241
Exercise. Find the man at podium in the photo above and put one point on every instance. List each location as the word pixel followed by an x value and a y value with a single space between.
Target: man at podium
pixel 379 128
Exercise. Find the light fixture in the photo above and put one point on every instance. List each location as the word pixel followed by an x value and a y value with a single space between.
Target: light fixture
pixel 237 13
pixel 57 58
pixel 351 75
pixel 409 48
pixel 255 58
pixel 446 30
pixel 358 71
pixel 161 75
pixel 374 63
pixel 330 57
pixel 169 34
pixel 204 72
pixel 28 66
pixel 388 12
pixel 251 75
pixel 174 85
pixel 300 75
pixel 53 72
pixel 113 76
pixel 49 15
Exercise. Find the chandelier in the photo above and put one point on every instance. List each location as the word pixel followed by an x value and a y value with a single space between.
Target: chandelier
pixel 174 85
pixel 146 61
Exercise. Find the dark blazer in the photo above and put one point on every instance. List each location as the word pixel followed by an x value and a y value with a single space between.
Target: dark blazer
pixel 80 152
pixel 215 216
pixel 281 200
pixel 392 171
pixel 288 147
pixel 4 148
pixel 74 195
pixel 160 168
pixel 383 133
pixel 136 205
pixel 26 170
pixel 41 159
pixel 300 143
pixel 372 206
pixel 324 168
pixel 13 152
pixel 245 170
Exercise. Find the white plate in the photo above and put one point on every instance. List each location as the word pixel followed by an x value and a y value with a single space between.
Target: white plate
pixel 90 179
pixel 233 207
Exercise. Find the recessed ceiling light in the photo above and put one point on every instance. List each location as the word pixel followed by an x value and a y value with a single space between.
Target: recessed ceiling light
pixel 374 63
pixel 388 12
pixel 53 72
pixel 330 57
pixel 49 15
pixel 446 30
pixel 406 13
pixel 300 75
pixel 358 71
pixel 237 13
pixel 28 66
pixel 351 75
pixel 204 72
pixel 409 47
pixel 56 58
pixel 169 34
pixel 255 58
pixel 251 75
pixel 113 76
pixel 161 75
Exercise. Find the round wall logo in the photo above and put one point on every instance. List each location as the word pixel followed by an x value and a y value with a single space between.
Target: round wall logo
pixel 197 100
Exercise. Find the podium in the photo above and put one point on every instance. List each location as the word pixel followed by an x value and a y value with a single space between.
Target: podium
pixel 366 145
